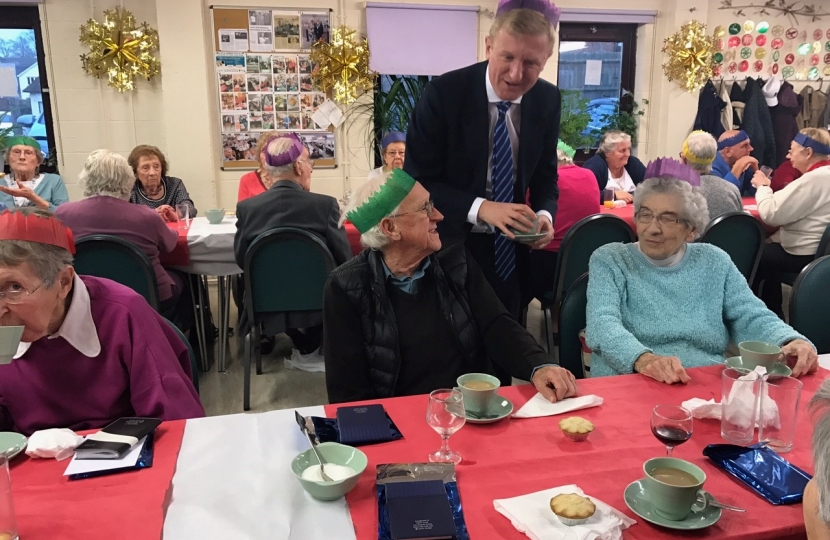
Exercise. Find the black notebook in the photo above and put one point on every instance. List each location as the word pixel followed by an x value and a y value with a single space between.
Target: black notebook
pixel 116 439
pixel 419 510
pixel 362 425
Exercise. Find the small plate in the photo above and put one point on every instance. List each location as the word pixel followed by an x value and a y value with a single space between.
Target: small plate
pixel 636 500
pixel 779 369
pixel 12 443
pixel 499 408
pixel 527 237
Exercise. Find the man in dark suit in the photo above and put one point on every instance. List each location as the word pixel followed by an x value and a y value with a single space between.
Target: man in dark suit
pixel 289 203
pixel 482 140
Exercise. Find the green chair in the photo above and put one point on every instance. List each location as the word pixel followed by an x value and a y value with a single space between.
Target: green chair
pixel 111 257
pixel 741 236
pixel 822 250
pixel 810 303
pixel 572 320
pixel 285 271
pixel 575 251
pixel 194 364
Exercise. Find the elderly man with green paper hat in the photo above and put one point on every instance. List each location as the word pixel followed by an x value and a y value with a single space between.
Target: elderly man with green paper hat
pixel 406 317
pixel 25 186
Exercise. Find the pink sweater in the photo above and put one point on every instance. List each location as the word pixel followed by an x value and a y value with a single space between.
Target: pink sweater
pixel 578 198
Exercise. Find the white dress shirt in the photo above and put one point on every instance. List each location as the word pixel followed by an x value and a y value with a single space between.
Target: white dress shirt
pixel 623 183
pixel 513 121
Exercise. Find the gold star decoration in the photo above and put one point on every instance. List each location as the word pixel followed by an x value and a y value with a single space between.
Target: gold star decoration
pixel 690 56
pixel 120 49
pixel 342 65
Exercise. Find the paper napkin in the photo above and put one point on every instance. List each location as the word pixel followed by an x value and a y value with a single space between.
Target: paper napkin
pixel 531 515
pixel 539 406
pixel 700 408
pixel 53 443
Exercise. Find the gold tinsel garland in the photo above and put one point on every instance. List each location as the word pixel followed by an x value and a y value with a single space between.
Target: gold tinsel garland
pixel 342 65
pixel 120 49
pixel 690 56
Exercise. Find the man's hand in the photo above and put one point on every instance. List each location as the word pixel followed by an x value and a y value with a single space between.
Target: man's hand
pixel 167 213
pixel 624 196
pixel 743 164
pixel 666 369
pixel 554 383
pixel 760 179
pixel 544 227
pixel 804 355
pixel 504 215
pixel 27 193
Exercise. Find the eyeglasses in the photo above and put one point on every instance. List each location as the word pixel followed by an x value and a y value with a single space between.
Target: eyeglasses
pixel 310 163
pixel 401 153
pixel 14 294
pixel 18 152
pixel 428 208
pixel 645 217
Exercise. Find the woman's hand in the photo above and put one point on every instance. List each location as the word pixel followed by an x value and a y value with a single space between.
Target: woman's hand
pixel 624 196
pixel 167 213
pixel 760 179
pixel 27 193
pixel 666 369
pixel 806 359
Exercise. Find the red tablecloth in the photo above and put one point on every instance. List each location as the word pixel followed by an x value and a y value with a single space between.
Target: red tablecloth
pixel 519 456
pixel 120 506
pixel 180 256
pixel 354 238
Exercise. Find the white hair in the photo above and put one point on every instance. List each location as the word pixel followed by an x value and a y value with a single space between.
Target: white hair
pixel 610 140
pixel 703 146
pixel 693 209
pixel 820 405
pixel 562 158
pixel 107 173
pixel 374 237
pixel 276 147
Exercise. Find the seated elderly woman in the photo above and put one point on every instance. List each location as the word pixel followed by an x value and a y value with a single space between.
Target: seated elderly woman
pixel 256 182
pixel 699 151
pixel 92 350
pixel 801 209
pixel 107 180
pixel 153 187
pixel 404 318
pixel 665 303
pixel 393 149
pixel 816 504
pixel 614 167
pixel 26 186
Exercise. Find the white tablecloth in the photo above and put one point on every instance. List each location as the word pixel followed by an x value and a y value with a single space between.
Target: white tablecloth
pixel 211 247
pixel 824 360
pixel 233 481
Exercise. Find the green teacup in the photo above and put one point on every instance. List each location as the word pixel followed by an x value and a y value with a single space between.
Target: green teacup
pixel 215 216
pixel 673 486
pixel 9 340
pixel 758 353
pixel 532 230
pixel 478 390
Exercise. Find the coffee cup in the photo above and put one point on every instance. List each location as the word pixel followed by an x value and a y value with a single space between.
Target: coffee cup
pixel 532 230
pixel 215 215
pixel 758 353
pixel 9 340
pixel 478 390
pixel 673 487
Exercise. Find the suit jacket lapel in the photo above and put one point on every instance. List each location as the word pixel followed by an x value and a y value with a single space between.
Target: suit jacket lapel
pixel 477 128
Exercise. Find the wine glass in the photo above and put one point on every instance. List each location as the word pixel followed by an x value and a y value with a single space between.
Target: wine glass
pixel 445 414
pixel 672 425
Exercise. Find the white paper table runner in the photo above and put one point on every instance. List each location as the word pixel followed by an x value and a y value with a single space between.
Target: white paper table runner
pixel 211 247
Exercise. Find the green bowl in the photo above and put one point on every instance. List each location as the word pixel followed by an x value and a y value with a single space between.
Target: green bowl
pixel 778 369
pixel 331 452
pixel 215 216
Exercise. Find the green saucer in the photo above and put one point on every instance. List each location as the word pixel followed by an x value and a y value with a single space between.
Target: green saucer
pixel 500 408
pixel 778 369
pixel 635 498
pixel 11 443
pixel 526 237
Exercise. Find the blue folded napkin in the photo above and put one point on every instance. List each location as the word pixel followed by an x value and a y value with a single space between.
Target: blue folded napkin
pixel 355 426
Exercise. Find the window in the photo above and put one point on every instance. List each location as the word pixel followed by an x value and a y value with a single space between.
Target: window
pixel 395 98
pixel 24 91
pixel 596 68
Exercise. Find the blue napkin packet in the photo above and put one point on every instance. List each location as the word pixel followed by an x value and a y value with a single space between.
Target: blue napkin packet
pixel 355 426
pixel 145 460
pixel 762 470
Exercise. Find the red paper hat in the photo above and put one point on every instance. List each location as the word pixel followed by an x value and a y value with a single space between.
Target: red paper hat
pixel 34 228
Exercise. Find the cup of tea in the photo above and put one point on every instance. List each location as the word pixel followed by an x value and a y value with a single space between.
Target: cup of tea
pixel 478 390
pixel 215 215
pixel 758 353
pixel 673 487
pixel 9 340
pixel 532 230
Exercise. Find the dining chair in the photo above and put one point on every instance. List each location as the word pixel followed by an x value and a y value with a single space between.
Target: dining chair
pixel 810 303
pixel 111 257
pixel 575 251
pixel 572 320
pixel 194 363
pixel 285 272
pixel 741 236
pixel 822 250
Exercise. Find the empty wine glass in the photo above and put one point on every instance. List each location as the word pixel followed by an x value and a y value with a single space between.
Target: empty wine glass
pixel 445 414
pixel 672 425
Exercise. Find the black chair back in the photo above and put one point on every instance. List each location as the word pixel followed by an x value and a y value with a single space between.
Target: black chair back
pixel 194 364
pixel 572 320
pixel 741 236
pixel 810 303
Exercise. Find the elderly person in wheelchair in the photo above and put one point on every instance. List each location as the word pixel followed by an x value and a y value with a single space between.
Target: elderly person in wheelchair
pixel 407 317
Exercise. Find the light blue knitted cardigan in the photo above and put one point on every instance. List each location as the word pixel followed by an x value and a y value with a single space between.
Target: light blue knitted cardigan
pixel 691 310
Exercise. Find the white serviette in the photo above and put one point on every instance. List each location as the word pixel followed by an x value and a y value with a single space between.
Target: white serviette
pixel 53 443
pixel 702 409
pixel 539 406
pixel 743 400
pixel 531 515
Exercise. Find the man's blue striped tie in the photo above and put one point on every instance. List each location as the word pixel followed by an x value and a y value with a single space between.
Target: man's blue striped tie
pixel 502 179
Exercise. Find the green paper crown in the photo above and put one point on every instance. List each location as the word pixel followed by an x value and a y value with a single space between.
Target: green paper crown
pixel 570 152
pixel 20 140
pixel 378 206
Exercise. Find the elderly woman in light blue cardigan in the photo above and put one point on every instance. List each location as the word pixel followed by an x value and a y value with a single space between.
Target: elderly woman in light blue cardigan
pixel 663 304
pixel 26 186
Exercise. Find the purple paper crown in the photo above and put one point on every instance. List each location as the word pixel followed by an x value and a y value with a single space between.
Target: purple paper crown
pixel 671 168
pixel 548 9
pixel 289 156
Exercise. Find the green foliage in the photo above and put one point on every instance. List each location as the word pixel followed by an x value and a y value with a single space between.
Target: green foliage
pixel 5 134
pixel 622 119
pixel 574 120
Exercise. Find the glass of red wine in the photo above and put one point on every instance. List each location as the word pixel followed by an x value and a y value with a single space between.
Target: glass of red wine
pixel 672 425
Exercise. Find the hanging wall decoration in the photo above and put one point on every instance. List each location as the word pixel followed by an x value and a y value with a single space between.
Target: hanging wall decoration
pixel 792 9
pixel 690 56
pixel 343 65
pixel 119 49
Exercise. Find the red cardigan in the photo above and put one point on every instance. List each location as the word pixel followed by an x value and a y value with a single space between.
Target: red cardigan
pixel 250 185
